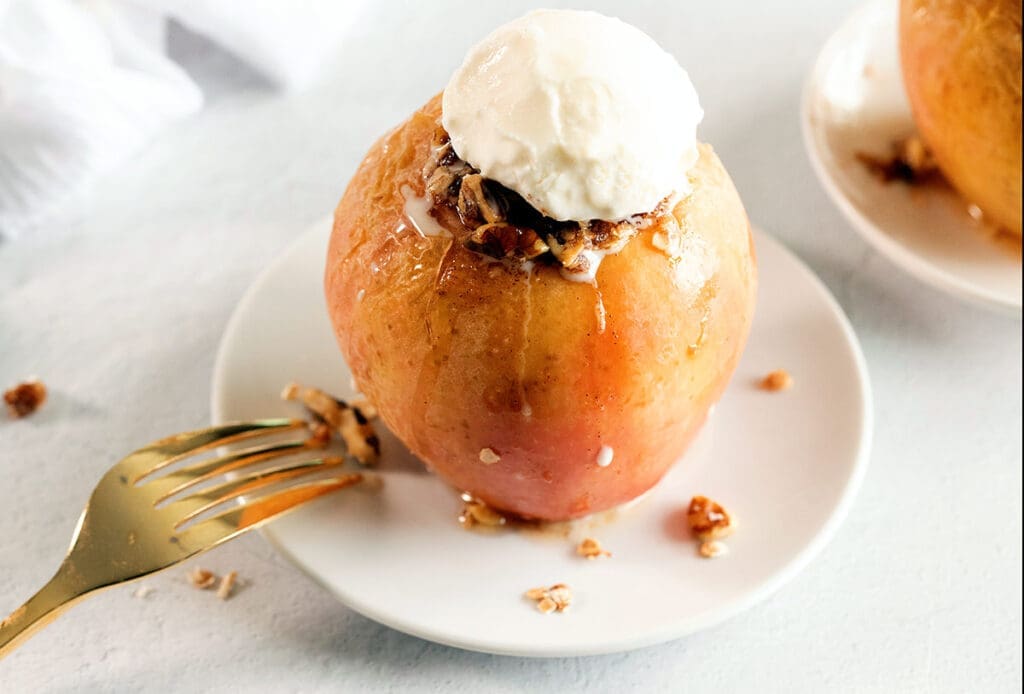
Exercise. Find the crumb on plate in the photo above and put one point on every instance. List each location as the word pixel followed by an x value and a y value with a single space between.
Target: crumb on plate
pixel 476 512
pixel 708 519
pixel 557 598
pixel 591 549
pixel 712 548
pixel 777 380
pixel 909 161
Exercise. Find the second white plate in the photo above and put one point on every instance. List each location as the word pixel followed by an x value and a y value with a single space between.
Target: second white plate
pixel 787 464
pixel 854 102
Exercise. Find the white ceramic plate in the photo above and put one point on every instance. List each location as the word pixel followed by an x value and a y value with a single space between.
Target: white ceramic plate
pixel 787 464
pixel 854 102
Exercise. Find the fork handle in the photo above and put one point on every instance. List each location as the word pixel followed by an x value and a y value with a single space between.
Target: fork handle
pixel 50 602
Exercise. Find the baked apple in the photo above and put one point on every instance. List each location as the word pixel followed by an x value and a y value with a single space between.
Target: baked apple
pixel 962 71
pixel 550 367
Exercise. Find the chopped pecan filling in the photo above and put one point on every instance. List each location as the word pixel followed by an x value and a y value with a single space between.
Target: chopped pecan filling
pixel 330 414
pixel 504 225
pixel 476 204
pixel 504 240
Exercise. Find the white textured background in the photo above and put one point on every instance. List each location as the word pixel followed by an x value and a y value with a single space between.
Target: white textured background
pixel 120 307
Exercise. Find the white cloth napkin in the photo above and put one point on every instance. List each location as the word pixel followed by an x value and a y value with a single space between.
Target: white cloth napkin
pixel 85 83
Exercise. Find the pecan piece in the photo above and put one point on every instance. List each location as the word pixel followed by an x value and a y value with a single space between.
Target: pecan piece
pixel 601 232
pixel 227 585
pixel 476 512
pixel 909 161
pixel 557 598
pixel 441 184
pixel 476 204
pixel 359 437
pixel 351 422
pixel 443 169
pixel 25 398
pixel 708 519
pixel 568 248
pixel 777 380
pixel 501 240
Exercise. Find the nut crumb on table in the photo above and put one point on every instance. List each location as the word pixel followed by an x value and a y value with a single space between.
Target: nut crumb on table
pixel 201 578
pixel 25 398
pixel 777 380
pixel 204 579
pixel 227 585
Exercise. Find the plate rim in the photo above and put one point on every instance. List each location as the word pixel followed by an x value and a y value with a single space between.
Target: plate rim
pixel 907 260
pixel 796 564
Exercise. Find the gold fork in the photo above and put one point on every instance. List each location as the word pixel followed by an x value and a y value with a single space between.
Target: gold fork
pixel 133 526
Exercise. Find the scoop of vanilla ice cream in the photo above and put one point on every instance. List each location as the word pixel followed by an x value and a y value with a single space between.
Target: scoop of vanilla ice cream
pixel 583 115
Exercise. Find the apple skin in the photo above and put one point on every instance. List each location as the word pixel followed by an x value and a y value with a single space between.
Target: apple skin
pixel 961 63
pixel 461 353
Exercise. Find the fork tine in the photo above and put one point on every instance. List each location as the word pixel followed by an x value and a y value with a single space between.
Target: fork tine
pixel 231 522
pixel 202 501
pixel 164 452
pixel 183 478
